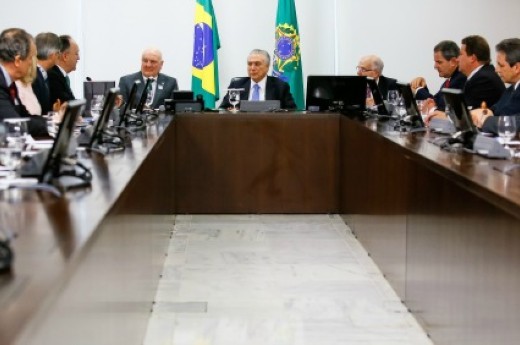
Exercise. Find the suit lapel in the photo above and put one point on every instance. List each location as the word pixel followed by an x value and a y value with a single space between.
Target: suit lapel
pixel 244 95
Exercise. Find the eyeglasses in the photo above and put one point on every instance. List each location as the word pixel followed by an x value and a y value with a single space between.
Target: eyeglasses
pixel 363 69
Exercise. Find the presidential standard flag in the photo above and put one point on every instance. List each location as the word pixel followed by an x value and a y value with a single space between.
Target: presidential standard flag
pixel 287 63
pixel 204 79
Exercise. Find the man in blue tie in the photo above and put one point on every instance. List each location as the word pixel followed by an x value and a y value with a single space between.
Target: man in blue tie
pixel 47 52
pixel 508 68
pixel 258 86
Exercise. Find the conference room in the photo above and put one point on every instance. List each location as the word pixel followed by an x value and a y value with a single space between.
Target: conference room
pixel 272 219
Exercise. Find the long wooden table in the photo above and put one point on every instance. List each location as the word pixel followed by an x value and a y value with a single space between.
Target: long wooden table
pixel 443 227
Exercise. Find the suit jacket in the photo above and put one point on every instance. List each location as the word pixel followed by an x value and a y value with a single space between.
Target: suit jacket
pixel 58 86
pixel 37 125
pixel 385 84
pixel 164 90
pixel 275 89
pixel 41 89
pixel 508 104
pixel 457 81
pixel 484 86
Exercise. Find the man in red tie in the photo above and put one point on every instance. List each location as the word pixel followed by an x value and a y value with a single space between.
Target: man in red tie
pixel 445 56
pixel 17 53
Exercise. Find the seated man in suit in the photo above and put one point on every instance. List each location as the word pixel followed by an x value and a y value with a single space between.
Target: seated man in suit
pixel 483 84
pixel 446 58
pixel 48 47
pixel 59 83
pixel 372 66
pixel 162 86
pixel 508 68
pixel 258 86
pixel 17 53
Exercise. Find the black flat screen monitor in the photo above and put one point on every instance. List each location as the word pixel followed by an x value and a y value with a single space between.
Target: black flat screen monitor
pixel 336 93
pixel 459 114
pixel 60 147
pixel 142 101
pixel 183 95
pixel 100 125
pixel 413 115
pixel 128 105
pixel 377 96
pixel 92 88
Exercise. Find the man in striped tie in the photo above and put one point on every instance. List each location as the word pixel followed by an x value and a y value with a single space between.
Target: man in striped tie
pixel 445 56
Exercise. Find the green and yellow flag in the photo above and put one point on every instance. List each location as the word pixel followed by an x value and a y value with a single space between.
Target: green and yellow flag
pixel 204 80
pixel 287 62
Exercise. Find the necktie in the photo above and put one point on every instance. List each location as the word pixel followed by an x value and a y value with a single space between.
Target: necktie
pixel 68 80
pixel 12 92
pixel 447 83
pixel 256 93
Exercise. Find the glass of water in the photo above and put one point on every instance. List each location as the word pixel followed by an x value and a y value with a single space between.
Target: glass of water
pixel 506 129
pixel 234 98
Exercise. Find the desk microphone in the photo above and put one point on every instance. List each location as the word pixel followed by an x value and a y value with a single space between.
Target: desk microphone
pixel 89 79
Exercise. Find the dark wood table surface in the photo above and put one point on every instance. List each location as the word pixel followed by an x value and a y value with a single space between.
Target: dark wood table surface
pixel 442 226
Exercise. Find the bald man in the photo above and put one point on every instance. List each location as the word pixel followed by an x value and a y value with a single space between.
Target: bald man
pixel 162 85
pixel 372 66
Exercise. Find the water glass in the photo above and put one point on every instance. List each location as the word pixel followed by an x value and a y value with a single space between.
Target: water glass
pixel 506 128
pixel 234 98
pixel 96 106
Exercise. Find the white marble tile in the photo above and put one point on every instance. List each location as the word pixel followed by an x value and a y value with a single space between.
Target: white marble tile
pixel 274 279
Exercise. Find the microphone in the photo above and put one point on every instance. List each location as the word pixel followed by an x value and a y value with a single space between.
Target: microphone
pixel 89 79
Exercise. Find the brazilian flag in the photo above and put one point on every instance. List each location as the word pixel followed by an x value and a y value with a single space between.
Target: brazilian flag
pixel 204 79
pixel 287 61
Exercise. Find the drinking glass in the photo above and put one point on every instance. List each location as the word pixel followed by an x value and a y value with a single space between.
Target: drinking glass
pixel 17 134
pixel 96 106
pixel 506 129
pixel 234 98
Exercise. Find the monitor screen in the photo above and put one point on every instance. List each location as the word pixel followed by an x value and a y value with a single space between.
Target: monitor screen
pixel 92 88
pixel 459 114
pixel 142 101
pixel 413 115
pixel 128 105
pixel 336 93
pixel 100 125
pixel 60 147
pixel 377 96
pixel 183 95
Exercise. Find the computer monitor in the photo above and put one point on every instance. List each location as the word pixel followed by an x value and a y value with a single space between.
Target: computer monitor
pixel 459 113
pixel 377 96
pixel 185 95
pixel 127 109
pixel 413 115
pixel 142 101
pixel 100 125
pixel 336 93
pixel 92 88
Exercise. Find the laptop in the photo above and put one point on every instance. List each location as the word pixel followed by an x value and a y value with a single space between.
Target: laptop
pixel 259 106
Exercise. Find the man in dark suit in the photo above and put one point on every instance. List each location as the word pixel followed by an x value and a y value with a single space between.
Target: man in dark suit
pixel 48 47
pixel 372 66
pixel 483 85
pixel 508 68
pixel 445 56
pixel 17 51
pixel 258 86
pixel 59 83
pixel 162 86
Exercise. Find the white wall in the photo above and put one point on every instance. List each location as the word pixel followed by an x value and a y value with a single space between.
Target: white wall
pixel 112 33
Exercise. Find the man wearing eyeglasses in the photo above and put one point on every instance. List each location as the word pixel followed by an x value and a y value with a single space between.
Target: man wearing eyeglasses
pixel 372 66
pixel 162 86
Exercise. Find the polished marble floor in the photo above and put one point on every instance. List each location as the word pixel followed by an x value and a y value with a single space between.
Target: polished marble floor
pixel 274 280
